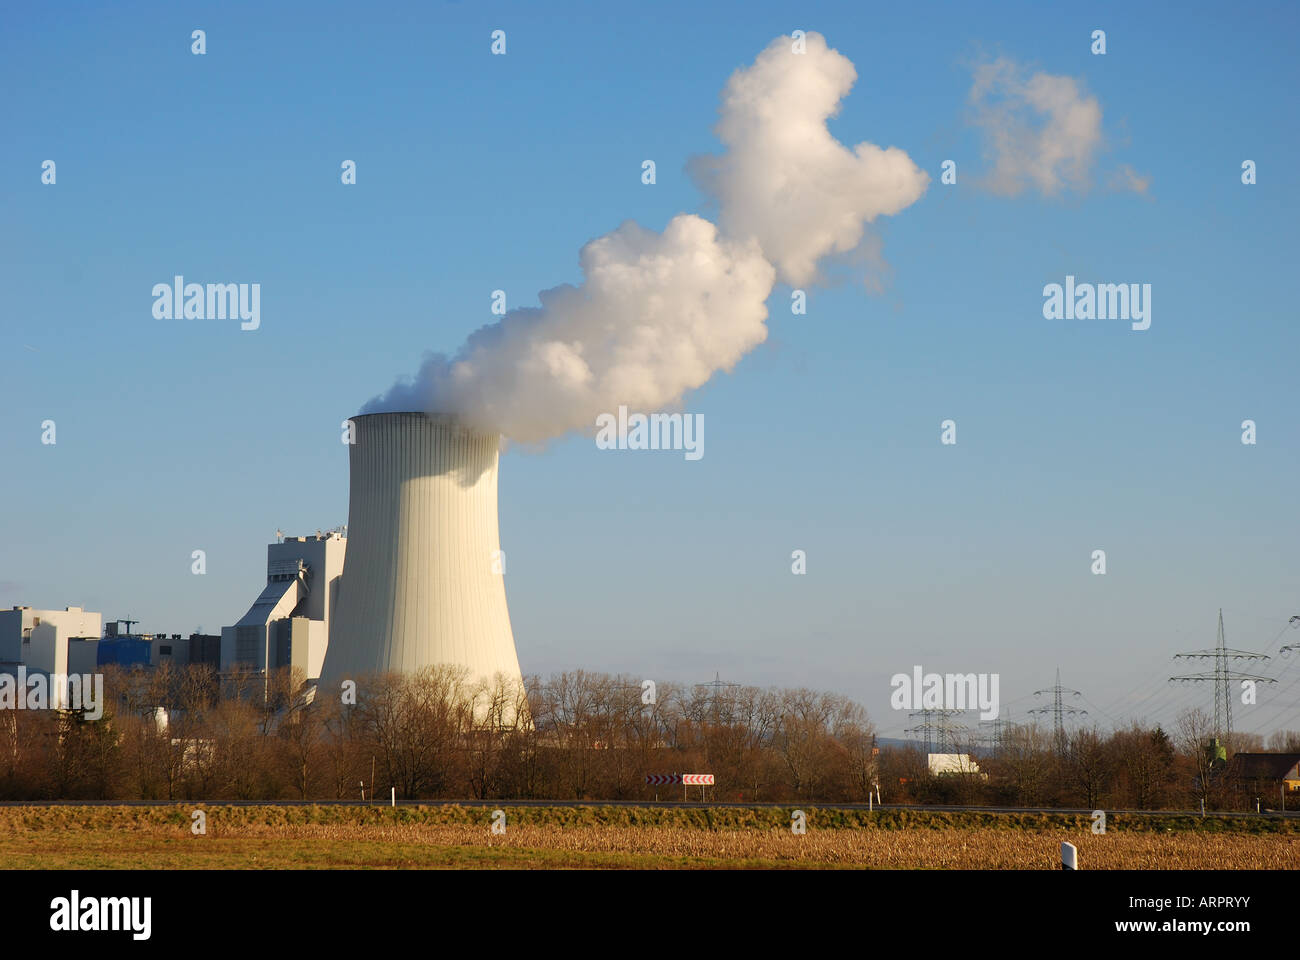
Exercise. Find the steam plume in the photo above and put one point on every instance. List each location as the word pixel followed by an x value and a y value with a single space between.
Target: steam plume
pixel 784 179
pixel 657 314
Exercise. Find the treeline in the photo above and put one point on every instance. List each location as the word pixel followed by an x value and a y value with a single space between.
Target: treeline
pixel 186 734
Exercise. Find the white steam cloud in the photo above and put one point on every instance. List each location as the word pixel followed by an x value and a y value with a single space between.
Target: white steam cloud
pixel 784 179
pixel 658 314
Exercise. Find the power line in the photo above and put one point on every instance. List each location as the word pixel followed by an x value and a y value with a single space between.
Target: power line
pixel 1293 622
pixel 1115 724
pixel 1153 684
pixel 1279 709
pixel 1166 700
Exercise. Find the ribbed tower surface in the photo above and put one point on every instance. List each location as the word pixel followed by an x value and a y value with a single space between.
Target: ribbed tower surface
pixel 420 583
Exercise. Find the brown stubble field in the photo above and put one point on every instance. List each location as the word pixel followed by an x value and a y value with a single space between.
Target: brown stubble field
pixel 538 837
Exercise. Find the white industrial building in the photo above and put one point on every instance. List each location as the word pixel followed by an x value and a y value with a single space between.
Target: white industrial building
pixel 423 583
pixel 288 625
pixel 50 641
pixel 946 763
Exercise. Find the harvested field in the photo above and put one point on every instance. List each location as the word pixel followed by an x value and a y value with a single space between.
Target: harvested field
pixel 460 837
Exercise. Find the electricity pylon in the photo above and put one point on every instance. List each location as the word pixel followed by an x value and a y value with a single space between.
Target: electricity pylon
pixel 937 728
pixel 717 684
pixel 1001 728
pixel 1059 709
pixel 1222 677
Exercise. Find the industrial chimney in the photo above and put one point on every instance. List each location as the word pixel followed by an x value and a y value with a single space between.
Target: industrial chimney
pixel 422 578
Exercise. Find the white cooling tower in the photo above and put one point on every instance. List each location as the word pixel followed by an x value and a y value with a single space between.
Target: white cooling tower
pixel 420 580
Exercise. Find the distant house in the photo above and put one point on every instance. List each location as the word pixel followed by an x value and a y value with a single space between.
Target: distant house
pixel 1266 771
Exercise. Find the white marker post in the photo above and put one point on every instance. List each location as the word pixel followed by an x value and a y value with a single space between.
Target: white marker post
pixel 1069 856
pixel 394 796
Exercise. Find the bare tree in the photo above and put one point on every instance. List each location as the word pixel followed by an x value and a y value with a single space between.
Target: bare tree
pixel 1026 761
pixel 802 738
pixel 417 722
pixel 1088 766
pixel 1196 743
pixel 1144 767
pixel 238 748
pixel 500 709
pixel 572 706
pixel 853 731
pixel 302 744
pixel 1285 741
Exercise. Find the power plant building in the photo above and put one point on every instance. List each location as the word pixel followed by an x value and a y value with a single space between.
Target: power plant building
pixel 49 641
pixel 288 624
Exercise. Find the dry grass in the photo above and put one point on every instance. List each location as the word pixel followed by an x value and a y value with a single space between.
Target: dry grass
pixel 325 837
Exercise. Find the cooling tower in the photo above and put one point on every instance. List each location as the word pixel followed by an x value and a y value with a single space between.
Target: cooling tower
pixel 422 578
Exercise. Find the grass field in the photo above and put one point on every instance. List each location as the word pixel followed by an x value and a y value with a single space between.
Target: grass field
pixel 622 837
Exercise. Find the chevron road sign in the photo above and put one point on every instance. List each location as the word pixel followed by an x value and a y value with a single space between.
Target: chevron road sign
pixel 658 778
pixel 698 779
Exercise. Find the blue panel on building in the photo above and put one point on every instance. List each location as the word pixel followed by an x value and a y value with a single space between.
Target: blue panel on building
pixel 124 651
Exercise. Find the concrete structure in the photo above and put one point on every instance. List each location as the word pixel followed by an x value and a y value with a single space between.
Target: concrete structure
pixel 423 581
pixel 49 641
pixel 203 648
pixel 288 624
pixel 164 649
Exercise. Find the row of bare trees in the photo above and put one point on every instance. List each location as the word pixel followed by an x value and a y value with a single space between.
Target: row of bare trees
pixel 186 734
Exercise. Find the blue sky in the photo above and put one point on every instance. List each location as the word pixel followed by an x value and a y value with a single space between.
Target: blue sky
pixel 478 172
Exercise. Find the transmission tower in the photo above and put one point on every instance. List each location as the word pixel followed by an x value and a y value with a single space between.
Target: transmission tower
pixel 1059 709
pixel 937 728
pixel 1001 732
pixel 1222 677
pixel 717 684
